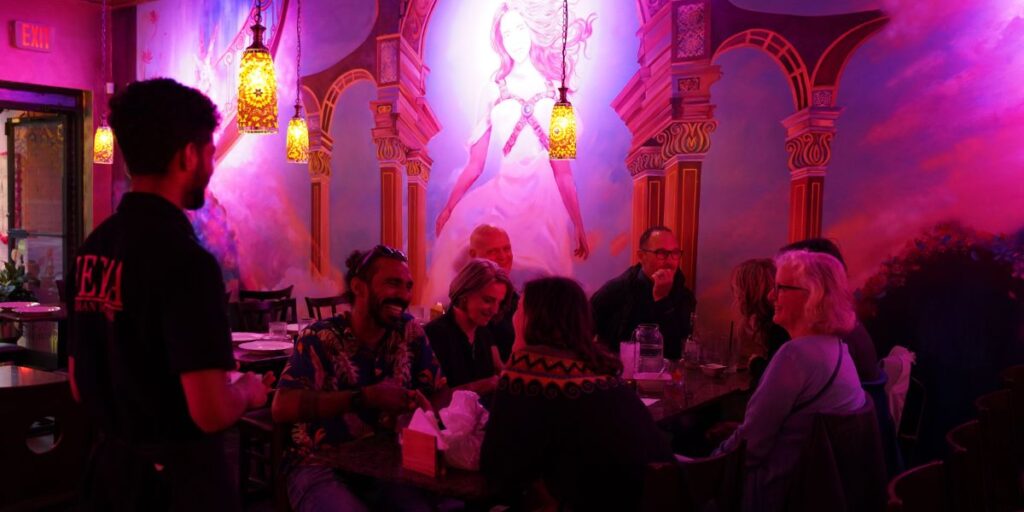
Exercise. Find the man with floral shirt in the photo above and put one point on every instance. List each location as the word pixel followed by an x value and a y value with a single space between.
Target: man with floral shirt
pixel 352 374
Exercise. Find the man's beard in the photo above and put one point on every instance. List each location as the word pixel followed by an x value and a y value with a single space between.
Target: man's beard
pixel 195 196
pixel 377 311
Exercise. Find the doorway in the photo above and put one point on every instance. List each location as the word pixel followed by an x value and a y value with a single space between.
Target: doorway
pixel 41 206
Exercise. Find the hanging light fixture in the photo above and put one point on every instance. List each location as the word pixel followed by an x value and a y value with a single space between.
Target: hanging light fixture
pixel 103 141
pixel 298 132
pixel 257 84
pixel 562 133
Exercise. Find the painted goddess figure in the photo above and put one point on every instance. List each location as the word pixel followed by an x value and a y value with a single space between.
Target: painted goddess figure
pixel 532 197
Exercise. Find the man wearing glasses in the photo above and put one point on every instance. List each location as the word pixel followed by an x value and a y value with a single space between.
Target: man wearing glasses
pixel 651 292
pixel 350 375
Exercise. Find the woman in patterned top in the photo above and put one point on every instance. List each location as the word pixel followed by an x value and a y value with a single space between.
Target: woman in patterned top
pixel 562 417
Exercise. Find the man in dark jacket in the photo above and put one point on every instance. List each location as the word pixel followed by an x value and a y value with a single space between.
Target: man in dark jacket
pixel 650 292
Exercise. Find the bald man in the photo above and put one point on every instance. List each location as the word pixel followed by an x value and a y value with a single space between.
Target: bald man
pixel 492 243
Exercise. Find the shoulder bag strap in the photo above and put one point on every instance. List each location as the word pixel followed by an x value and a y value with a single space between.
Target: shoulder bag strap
pixel 809 401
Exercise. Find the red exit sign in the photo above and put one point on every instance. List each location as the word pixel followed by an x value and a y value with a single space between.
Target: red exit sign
pixel 33 36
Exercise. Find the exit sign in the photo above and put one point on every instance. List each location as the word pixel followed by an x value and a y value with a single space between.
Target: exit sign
pixel 32 36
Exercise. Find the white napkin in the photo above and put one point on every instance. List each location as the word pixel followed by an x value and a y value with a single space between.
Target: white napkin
pixel 425 422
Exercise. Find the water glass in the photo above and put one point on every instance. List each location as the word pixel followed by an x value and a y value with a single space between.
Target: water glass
pixel 627 353
pixel 278 329
pixel 303 323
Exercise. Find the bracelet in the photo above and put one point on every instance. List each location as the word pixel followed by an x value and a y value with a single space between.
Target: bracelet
pixel 357 401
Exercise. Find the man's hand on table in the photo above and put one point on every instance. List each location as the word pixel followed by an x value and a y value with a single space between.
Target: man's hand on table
pixel 390 397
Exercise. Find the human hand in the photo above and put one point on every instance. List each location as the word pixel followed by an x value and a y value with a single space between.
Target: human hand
pixel 255 388
pixel 582 246
pixel 721 431
pixel 662 283
pixel 390 397
pixel 442 219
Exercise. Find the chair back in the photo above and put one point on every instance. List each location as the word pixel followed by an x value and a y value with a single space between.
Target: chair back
pixel 841 466
pixel 705 484
pixel 919 489
pixel 256 315
pixel 315 305
pixel 35 474
pixel 964 468
pixel 283 293
pixel 998 447
pixel 908 431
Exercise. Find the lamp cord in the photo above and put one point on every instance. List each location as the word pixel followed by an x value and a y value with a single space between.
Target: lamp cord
pixel 565 35
pixel 103 45
pixel 298 54
pixel 259 12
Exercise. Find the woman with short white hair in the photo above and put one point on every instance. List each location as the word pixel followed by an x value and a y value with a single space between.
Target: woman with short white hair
pixel 810 374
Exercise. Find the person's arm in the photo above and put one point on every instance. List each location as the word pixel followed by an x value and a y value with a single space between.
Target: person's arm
pixel 214 404
pixel 481 387
pixel 603 303
pixel 299 405
pixel 473 169
pixel 567 189
pixel 769 407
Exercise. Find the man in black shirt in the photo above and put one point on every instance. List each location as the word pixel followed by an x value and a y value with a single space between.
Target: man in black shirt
pixel 150 343
pixel 492 243
pixel 650 292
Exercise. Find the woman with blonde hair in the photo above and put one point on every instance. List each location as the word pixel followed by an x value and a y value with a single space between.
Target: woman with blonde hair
pixel 810 374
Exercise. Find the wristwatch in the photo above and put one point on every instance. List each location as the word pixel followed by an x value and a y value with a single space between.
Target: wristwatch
pixel 358 401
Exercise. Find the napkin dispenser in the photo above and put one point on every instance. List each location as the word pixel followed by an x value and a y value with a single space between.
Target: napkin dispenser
pixel 421 442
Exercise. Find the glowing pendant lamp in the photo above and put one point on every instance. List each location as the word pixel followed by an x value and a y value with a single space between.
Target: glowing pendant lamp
pixel 298 132
pixel 103 145
pixel 562 134
pixel 103 141
pixel 257 84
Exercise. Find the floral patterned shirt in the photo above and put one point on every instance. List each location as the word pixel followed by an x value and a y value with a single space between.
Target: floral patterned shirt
pixel 328 357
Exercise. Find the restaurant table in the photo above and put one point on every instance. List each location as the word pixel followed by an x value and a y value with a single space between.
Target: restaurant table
pixel 699 390
pixel 57 358
pixel 380 457
pixel 259 362
pixel 13 376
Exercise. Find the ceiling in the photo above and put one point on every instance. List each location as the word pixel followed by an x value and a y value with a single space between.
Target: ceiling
pixel 116 4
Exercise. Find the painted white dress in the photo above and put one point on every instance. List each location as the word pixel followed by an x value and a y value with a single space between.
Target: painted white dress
pixel 522 198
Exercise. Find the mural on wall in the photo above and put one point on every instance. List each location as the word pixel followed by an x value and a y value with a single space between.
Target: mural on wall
pixel 930 129
pixel 490 158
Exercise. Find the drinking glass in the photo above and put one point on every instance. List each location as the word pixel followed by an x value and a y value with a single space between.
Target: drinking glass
pixel 303 323
pixel 278 329
pixel 627 353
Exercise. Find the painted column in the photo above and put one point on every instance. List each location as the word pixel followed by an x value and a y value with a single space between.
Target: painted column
pixel 391 153
pixel 417 169
pixel 683 147
pixel 319 211
pixel 809 134
pixel 645 166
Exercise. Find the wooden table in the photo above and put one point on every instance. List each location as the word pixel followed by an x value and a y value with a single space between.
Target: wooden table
pixel 698 391
pixel 60 317
pixel 380 457
pixel 13 376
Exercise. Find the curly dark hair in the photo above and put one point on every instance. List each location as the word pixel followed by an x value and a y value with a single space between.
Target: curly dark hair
pixel 154 119
pixel 557 315
pixel 362 264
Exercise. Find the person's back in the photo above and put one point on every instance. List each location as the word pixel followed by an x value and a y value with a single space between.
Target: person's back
pixel 151 266
pixel 587 436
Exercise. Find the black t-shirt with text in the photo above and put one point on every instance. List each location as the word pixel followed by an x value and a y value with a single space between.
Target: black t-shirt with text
pixel 147 306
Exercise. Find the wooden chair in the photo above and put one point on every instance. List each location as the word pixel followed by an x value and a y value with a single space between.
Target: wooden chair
pixel 256 315
pixel 964 468
pixel 51 478
pixel 909 430
pixel 314 305
pixel 710 483
pixel 283 293
pixel 261 444
pixel 61 293
pixel 998 448
pixel 919 489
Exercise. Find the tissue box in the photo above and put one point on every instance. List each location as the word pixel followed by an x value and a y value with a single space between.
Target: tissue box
pixel 419 452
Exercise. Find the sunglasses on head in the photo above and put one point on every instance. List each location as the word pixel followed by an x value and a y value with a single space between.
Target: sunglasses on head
pixel 376 252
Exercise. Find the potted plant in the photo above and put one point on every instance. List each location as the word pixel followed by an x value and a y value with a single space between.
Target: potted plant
pixel 12 288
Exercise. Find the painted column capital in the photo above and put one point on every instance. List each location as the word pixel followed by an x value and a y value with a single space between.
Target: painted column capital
pixel 390 149
pixel 690 140
pixel 319 163
pixel 644 161
pixel 809 135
